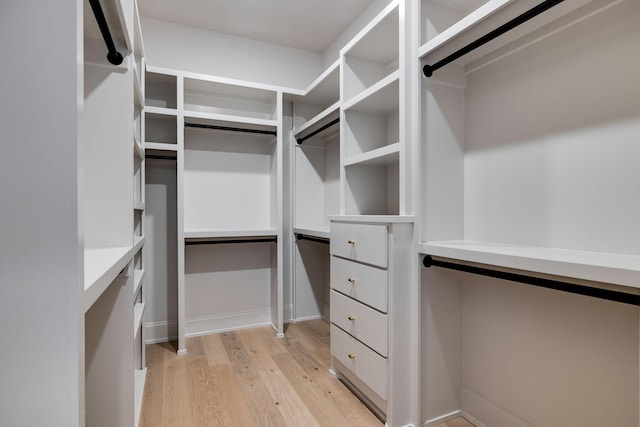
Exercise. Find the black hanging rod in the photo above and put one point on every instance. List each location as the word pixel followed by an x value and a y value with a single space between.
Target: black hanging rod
pixel 317 131
pixel 223 240
pixel 606 294
pixel 113 55
pixel 518 20
pixel 159 157
pixel 300 236
pixel 231 129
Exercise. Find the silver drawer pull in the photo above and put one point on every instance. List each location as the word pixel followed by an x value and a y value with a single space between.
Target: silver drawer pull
pixel 351 242
pixel 352 318
pixel 351 356
pixel 351 280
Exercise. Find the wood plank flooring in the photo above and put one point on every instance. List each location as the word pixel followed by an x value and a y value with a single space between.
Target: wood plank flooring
pixel 251 378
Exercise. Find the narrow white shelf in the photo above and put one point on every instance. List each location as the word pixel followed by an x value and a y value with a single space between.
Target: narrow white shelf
pixel 161 111
pixel 137 148
pixel 138 278
pixel 381 97
pixel 160 146
pixel 469 21
pixel 101 267
pixel 222 234
pixel 325 89
pixel 380 156
pixel 138 314
pixel 138 205
pixel 326 116
pixel 373 218
pixel 323 233
pixel 138 242
pixel 139 377
pixel 617 269
pixel 230 120
pixel 138 98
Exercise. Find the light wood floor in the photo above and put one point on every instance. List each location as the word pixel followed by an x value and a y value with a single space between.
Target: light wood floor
pixel 251 378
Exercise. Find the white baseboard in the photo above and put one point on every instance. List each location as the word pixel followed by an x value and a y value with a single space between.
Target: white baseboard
pixel 227 322
pixel 303 319
pixel 442 418
pixel 160 332
pixel 484 413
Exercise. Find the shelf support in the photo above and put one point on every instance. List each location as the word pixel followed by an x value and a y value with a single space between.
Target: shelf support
pixel 573 288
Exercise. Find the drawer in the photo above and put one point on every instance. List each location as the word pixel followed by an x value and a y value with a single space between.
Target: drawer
pixel 362 282
pixel 364 323
pixel 360 242
pixel 363 362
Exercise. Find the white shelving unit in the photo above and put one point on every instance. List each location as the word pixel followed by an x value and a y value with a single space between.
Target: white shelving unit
pixel 226 138
pixel 373 118
pixel 521 172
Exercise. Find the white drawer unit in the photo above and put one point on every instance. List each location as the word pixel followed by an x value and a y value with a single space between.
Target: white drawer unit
pixel 362 322
pixel 364 283
pixel 365 243
pixel 374 313
pixel 363 362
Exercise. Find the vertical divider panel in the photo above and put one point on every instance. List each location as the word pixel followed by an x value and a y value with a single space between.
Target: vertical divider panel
pixel 180 218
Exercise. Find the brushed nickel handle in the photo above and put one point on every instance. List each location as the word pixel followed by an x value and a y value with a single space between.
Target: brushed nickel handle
pixel 351 356
pixel 352 318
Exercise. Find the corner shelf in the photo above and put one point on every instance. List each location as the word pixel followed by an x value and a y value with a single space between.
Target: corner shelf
pixel 323 118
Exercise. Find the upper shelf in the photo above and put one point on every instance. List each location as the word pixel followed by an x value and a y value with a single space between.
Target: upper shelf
pixel 381 98
pixel 617 269
pixel 495 13
pixel 101 266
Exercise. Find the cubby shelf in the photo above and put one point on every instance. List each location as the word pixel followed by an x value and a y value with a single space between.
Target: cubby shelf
pixel 160 146
pixel 138 98
pixel 380 98
pixel 138 242
pixel 138 278
pixel 161 111
pixel 138 205
pixel 138 315
pixel 137 148
pixel 231 120
pixel 314 232
pixel 388 154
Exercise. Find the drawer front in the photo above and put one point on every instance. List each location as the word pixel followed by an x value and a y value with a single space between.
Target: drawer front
pixel 362 282
pixel 360 242
pixel 363 362
pixel 362 322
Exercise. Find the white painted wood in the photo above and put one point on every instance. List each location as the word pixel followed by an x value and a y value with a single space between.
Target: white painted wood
pixel 161 90
pixel 372 190
pixel 363 323
pixel 311 279
pixel 365 243
pixel 138 278
pixel 387 155
pixel 159 146
pixel 619 269
pixel 366 364
pixel 323 234
pixel 329 114
pixel 138 317
pixel 160 126
pixel 101 267
pixel 221 234
pixel 139 376
pixel 360 282
pixel 382 97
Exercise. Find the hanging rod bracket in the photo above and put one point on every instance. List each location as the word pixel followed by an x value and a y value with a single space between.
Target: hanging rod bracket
pixel 606 294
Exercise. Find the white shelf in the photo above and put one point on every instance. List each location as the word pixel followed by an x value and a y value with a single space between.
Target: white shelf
pixel 139 376
pixel 101 266
pixel 230 120
pixel 160 146
pixel 138 314
pixel 138 98
pixel 138 242
pixel 381 97
pixel 138 45
pixel 373 218
pixel 220 234
pixel 137 147
pixel 463 25
pixel 321 233
pixel 161 111
pixel 388 154
pixel 324 90
pixel 138 278
pixel 617 269
pixel 138 205
pixel 326 116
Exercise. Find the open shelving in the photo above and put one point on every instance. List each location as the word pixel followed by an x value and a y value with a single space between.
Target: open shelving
pixel 529 168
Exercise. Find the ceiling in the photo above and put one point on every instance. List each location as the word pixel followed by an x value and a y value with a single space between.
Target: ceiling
pixel 306 24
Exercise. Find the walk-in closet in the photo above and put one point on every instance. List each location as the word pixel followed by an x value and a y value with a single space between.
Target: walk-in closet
pixel 342 213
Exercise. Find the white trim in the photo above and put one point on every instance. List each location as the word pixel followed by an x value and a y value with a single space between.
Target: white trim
pixel 442 418
pixel 483 412
pixel 227 322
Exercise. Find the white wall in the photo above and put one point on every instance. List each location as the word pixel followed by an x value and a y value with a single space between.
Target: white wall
pixel 193 49
pixel 39 249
